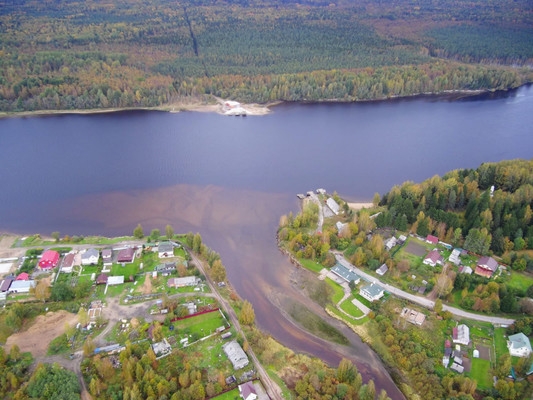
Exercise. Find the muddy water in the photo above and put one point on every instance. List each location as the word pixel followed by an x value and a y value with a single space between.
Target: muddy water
pixel 241 226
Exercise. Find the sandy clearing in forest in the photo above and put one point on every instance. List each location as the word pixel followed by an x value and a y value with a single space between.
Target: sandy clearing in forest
pixel 44 329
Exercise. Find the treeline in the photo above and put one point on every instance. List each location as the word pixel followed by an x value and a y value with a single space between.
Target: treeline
pixel 124 87
pixel 80 55
pixel 486 210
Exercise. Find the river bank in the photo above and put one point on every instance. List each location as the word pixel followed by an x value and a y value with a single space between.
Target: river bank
pixel 213 104
pixel 196 105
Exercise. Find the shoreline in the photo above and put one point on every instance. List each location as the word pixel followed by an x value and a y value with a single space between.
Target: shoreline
pixel 253 109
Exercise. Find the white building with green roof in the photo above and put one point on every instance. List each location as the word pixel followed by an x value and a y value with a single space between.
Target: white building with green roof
pixel 372 292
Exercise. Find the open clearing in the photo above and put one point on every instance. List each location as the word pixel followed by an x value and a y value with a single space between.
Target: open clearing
pixel 416 249
pixel 38 336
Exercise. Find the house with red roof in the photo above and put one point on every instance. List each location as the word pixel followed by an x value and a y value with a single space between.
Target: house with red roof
pixel 49 259
pixel 23 276
pixel 486 266
pixel 433 258
pixel 102 279
pixel 432 239
pixel 126 255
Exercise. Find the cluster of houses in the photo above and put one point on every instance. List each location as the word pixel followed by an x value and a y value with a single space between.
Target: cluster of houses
pixel 51 259
pixel 517 344
pixel 460 336
pixel 485 266
pixel 370 291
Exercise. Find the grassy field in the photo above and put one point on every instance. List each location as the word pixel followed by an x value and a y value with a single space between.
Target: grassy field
pixel 36 240
pixel 338 292
pixel 347 319
pixel 311 265
pixel 202 325
pixel 350 308
pixel 481 373
pixel 231 395
pixel 520 281
pixel 500 342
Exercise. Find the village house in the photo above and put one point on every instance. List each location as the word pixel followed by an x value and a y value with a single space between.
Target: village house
pixel 247 391
pixel 101 279
pixel 236 354
pixel 68 263
pixel 433 258
pixel 340 227
pixel 183 281
pixel 486 266
pixel 126 255
pixel 333 205
pixel 382 270
pixel 21 286
pixel 6 283
pixel 454 257
pixel 519 345
pixel 461 334
pixel 345 273
pixel 165 250
pixel 49 260
pixel 107 256
pixel 372 292
pixel 165 269
pixel 23 276
pixel 432 239
pixel 90 257
pixel 465 270
pixel 389 244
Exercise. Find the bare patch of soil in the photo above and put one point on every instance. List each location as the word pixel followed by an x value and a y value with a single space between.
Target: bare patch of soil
pixel 38 336
pixel 147 285
pixel 6 241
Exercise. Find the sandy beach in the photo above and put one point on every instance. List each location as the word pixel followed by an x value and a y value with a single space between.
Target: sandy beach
pixel 359 206
pixel 206 105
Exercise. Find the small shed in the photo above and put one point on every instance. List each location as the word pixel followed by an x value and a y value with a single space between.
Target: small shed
pixel 101 279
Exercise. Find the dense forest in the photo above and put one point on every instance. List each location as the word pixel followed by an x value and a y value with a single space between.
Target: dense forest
pixel 102 54
pixel 487 210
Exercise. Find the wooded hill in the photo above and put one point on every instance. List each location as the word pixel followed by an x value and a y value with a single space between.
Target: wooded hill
pixel 485 210
pixel 102 54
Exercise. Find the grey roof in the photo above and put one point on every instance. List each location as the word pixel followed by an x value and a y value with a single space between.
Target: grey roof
pixel 5 284
pixel 165 267
pixel 21 285
pixel 381 270
pixel 373 290
pixel 165 247
pixel 90 253
pixel 345 273
pixel 236 354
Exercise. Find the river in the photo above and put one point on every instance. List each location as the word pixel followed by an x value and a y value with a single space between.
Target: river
pixel 231 178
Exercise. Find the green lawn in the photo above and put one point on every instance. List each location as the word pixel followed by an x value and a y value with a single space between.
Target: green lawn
pixel 311 265
pixel 520 281
pixel 500 342
pixel 347 319
pixel 350 308
pixel 480 371
pixel 231 395
pixel 338 291
pixel 90 269
pixel 363 300
pixel 202 325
